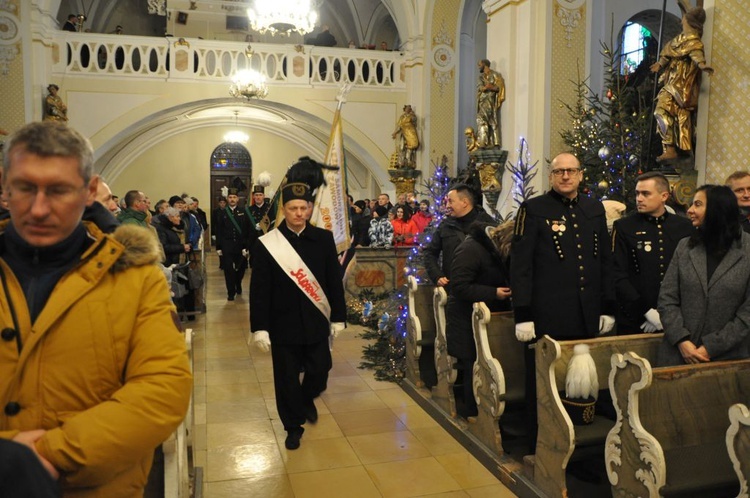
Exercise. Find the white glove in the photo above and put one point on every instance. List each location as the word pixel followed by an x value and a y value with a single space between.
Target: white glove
pixel 262 341
pixel 606 322
pixel 652 323
pixel 336 328
pixel 245 253
pixel 219 253
pixel 525 331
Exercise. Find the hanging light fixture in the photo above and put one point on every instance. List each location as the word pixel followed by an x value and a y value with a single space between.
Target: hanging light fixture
pixel 248 84
pixel 236 136
pixel 282 16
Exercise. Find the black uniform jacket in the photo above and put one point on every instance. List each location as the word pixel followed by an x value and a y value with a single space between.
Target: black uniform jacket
pixel 642 248
pixel 561 266
pixel 477 271
pixel 228 238
pixel 445 240
pixel 278 306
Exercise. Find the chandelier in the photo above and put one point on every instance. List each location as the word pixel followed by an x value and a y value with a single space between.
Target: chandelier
pixel 282 16
pixel 248 84
pixel 236 136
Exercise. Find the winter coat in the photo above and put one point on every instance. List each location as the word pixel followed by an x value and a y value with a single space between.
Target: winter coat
pixel 445 240
pixel 172 239
pixel 381 233
pixel 421 220
pixel 360 228
pixel 130 216
pixel 103 369
pixel 477 271
pixel 714 314
pixel 403 232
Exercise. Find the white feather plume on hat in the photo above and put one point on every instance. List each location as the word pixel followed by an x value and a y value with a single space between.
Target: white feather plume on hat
pixel 581 380
pixel 264 179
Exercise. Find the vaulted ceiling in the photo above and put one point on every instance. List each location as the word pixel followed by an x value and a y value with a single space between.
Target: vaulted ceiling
pixel 361 21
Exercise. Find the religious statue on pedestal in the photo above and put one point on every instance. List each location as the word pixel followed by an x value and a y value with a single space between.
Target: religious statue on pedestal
pixel 407 139
pixel 54 107
pixel 490 98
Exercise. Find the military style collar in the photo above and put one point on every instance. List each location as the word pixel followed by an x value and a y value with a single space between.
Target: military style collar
pixel 565 201
pixel 656 219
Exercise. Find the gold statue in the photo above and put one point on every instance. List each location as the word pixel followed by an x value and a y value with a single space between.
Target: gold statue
pixel 471 139
pixel 407 140
pixel 490 98
pixel 55 109
pixel 683 61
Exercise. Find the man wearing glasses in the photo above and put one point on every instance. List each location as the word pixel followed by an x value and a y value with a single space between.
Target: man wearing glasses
pixel 93 368
pixel 136 209
pixel 560 266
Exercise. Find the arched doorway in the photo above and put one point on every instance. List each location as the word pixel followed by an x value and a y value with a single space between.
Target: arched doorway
pixel 231 167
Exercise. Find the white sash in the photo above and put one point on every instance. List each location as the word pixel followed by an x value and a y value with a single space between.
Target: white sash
pixel 292 265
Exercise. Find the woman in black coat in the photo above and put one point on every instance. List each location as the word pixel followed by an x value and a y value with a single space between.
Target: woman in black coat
pixel 171 236
pixel 479 272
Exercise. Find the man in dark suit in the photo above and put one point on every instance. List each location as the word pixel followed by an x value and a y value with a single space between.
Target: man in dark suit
pixel 560 272
pixel 233 238
pixel 296 304
pixel 642 245
pixel 739 182
pixel 71 24
pixel 258 209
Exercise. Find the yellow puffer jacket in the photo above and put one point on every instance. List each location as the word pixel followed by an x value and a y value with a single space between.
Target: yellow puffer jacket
pixel 103 369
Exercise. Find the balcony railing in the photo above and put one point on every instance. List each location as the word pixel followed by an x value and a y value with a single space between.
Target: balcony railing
pixel 204 60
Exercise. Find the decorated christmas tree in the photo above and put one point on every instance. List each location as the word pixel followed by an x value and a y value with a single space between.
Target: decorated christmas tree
pixel 608 133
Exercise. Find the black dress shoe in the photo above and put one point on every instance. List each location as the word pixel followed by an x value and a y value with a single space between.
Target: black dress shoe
pixel 230 298
pixel 293 437
pixel 311 412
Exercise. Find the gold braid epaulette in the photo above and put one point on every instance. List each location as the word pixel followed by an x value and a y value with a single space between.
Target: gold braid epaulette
pixel 520 222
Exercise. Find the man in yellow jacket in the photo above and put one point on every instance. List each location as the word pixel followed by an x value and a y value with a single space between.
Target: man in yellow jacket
pixel 93 369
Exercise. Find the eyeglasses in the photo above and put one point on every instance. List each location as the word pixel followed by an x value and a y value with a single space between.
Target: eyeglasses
pixel 54 193
pixel 563 171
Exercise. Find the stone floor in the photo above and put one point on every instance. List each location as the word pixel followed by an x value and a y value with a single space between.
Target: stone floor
pixel 371 439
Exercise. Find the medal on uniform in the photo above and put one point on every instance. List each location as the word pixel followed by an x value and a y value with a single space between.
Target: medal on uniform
pixel 562 228
pixel 647 247
pixel 555 227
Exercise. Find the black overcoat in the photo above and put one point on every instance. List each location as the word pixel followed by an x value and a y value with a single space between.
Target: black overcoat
pixel 561 271
pixel 642 247
pixel 276 303
pixel 476 272
pixel 229 240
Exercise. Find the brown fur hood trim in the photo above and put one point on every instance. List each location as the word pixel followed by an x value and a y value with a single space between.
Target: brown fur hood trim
pixel 495 239
pixel 141 247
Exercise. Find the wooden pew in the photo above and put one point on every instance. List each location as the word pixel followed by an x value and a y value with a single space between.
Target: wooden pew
pixel 557 436
pixel 498 372
pixel 670 436
pixel 420 335
pixel 738 445
pixel 442 392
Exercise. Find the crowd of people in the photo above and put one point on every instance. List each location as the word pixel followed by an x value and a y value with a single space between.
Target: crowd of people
pixel 570 278
pixel 378 223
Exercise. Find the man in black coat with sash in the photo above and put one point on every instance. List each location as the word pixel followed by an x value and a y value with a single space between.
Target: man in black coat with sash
pixel 233 238
pixel 296 304
pixel 561 264
pixel 642 245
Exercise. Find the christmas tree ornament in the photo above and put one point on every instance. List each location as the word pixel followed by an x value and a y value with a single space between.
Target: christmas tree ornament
pixel 603 185
pixel 605 153
pixel 633 160
pixel 610 94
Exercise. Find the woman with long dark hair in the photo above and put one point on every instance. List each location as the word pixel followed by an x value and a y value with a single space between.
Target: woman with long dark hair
pixel 704 302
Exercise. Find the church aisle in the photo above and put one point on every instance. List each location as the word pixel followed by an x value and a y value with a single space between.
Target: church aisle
pixel 371 439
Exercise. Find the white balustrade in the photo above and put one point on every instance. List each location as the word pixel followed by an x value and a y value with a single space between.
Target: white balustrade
pixel 209 60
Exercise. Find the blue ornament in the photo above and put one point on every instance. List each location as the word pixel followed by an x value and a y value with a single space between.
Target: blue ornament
pixel 367 309
pixel 383 323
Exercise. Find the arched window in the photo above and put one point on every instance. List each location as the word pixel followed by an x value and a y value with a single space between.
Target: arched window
pixel 633 45
pixel 230 156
